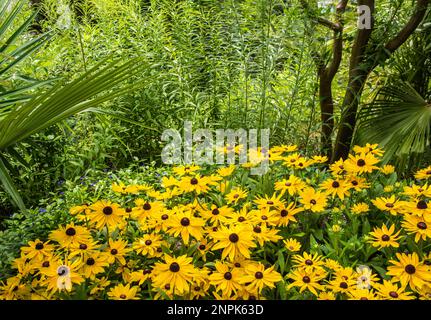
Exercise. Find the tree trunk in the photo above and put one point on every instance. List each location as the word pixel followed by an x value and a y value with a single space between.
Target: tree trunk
pixel 327 114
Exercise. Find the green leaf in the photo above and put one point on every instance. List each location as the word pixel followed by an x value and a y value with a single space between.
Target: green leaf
pixel 10 187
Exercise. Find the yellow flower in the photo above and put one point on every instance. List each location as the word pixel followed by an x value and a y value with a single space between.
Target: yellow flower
pixel 116 251
pixel 123 189
pixel 149 245
pixel 185 170
pixel 389 290
pixel 225 279
pixel 105 213
pixel 384 237
pixel 336 228
pixel 70 235
pixel 286 213
pixel 361 163
pixel 326 296
pixel 195 184
pixel 306 280
pixel 423 174
pixel 94 264
pixel 123 292
pixel 409 270
pixel 178 273
pixel 360 208
pixel 308 261
pixel 37 250
pixel 257 277
pixel 226 171
pixel 369 148
pixel 362 294
pixel 416 191
pixel 236 240
pixel 292 185
pixel 292 245
pixel 184 223
pixel 313 200
pixel 235 195
pixel 387 169
pixel 264 234
pixel 336 187
pixel 417 226
pixel 390 204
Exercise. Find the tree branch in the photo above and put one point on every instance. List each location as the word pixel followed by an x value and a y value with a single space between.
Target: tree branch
pixel 410 27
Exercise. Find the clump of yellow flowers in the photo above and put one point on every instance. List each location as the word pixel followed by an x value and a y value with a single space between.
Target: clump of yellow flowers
pixel 305 230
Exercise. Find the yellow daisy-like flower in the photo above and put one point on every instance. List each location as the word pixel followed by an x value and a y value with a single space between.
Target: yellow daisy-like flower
pixel 195 184
pixel 123 292
pixel 292 245
pixel 360 208
pixel 292 185
pixel 236 240
pixel 336 187
pixel 306 280
pixel 226 171
pixel 70 235
pixel 417 226
pixel 416 191
pixel 94 264
pixel 257 277
pixel 389 290
pixel 149 245
pixel 178 273
pixel 116 251
pixel 184 223
pixel 384 237
pixel 409 270
pixel 37 250
pixel 226 279
pixel 313 200
pixel 369 148
pixel 286 213
pixel 104 213
pixel 235 195
pixel 387 169
pixel 264 234
pixel 185 170
pixel 308 261
pixel 123 189
pixel 361 163
pixel 391 204
pixel 423 173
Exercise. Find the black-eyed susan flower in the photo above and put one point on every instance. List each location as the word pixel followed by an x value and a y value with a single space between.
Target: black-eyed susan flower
pixel 418 226
pixel 178 273
pixel 286 213
pixel 292 245
pixel 116 251
pixel 94 264
pixel 338 168
pixel 326 295
pixel 387 169
pixel 70 235
pixel 225 279
pixel 256 277
pixel 362 294
pixel 83 250
pixel 37 250
pixel 358 183
pixel 183 223
pixel 123 292
pixel 236 240
pixel 226 171
pixel 313 200
pixel 214 215
pixel 123 189
pixel 292 185
pixel 141 276
pixel 336 187
pixel 197 184
pixel 308 261
pixel 389 290
pixel 361 163
pixel 391 204
pixel 105 213
pixel 416 191
pixel 235 195
pixel 306 280
pixel 185 170
pixel 384 237
pixel 423 173
pixel 408 269
pixel 263 234
pixel 150 245
pixel 60 276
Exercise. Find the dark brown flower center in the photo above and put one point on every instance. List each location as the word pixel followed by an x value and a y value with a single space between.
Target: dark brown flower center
pixel 146 206
pixel 264 217
pixel 343 285
pixel 410 269
pixel 39 246
pixel 361 163
pixel 167 286
pixel 233 238
pixel 288 184
pixel 174 267
pixel 202 247
pixel 335 184
pixel 258 275
pixel 422 205
pixel 355 183
pixel 215 211
pixel 71 232
pixel 306 279
pixel 270 202
pixel 165 217
pixel 114 252
pixel 422 225
pixel 194 181
pixel 45 264
pixel 389 205
pixel 309 262
pixel 393 294
pixel 257 229
pixel 284 213
pixel 236 196
pixel 313 202
pixel 237 264
pixel 123 296
pixel 128 210
pixel 385 238
pixel 185 222
pixel 90 261
pixel 228 276
pixel 107 211
pixel 148 242
pixel 241 219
